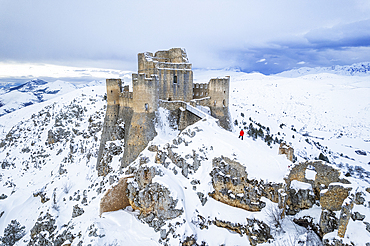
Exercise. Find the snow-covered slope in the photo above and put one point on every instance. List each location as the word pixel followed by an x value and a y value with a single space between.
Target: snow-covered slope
pixel 329 112
pixel 31 92
pixel 48 155
pixel 357 69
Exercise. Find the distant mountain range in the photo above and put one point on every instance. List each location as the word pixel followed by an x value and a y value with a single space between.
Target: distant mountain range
pixel 357 69
pixel 31 92
pixel 13 97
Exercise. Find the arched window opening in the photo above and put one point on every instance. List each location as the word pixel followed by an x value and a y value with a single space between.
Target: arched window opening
pixel 224 103
pixel 111 91
pixel 146 107
pixel 175 79
pixel 214 103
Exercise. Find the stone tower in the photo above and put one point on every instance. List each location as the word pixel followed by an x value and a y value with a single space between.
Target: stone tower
pixel 173 70
pixel 140 129
pixel 218 91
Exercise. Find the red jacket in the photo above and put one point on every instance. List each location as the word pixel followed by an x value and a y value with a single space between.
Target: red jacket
pixel 241 132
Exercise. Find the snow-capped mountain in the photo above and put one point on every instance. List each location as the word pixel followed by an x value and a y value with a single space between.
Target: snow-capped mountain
pixel 50 191
pixel 356 69
pixel 31 92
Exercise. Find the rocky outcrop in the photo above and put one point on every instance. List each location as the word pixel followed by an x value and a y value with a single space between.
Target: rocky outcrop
pixel 42 195
pixel 337 242
pixel 357 216
pixel 77 211
pixel 328 222
pixel 257 231
pixel 232 187
pixel 110 150
pixel 299 197
pixel 44 232
pixel 113 129
pixel 189 164
pixel 153 200
pixel 309 223
pixel 285 149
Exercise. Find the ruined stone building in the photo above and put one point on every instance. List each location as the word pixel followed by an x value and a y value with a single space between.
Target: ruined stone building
pixel 164 79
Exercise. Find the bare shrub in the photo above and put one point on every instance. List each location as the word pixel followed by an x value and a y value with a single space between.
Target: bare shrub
pixel 274 217
pixel 67 187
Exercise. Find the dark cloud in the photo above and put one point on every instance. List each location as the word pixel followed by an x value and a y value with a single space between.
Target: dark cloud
pixel 338 45
pixel 356 34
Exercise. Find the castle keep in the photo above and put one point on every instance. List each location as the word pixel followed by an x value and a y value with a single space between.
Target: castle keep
pixel 164 79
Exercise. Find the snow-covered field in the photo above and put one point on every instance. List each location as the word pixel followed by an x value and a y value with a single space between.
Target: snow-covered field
pixel 315 113
pixel 322 109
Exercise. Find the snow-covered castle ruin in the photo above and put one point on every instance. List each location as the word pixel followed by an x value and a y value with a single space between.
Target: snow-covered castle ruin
pixel 164 79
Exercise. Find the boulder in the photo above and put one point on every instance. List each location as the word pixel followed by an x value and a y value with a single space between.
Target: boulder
pixel 328 222
pixel 115 198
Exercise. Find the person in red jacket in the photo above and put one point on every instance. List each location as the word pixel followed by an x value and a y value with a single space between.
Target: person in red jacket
pixel 241 134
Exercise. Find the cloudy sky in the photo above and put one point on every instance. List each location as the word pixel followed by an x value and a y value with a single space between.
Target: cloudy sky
pixel 268 36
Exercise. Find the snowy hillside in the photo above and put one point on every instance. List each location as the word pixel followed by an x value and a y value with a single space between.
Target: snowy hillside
pixel 330 113
pixel 357 69
pixel 31 92
pixel 50 186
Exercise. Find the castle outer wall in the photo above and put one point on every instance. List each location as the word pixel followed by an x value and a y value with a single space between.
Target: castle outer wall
pixel 164 79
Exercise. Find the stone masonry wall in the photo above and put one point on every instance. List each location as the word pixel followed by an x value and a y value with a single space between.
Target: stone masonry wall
pixel 175 84
pixel 200 90
pixel 137 136
pixel 145 93
pixel 113 91
pixel 331 191
pixel 218 90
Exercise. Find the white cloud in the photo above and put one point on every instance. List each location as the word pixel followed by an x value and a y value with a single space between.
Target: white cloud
pixel 27 71
pixel 111 33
